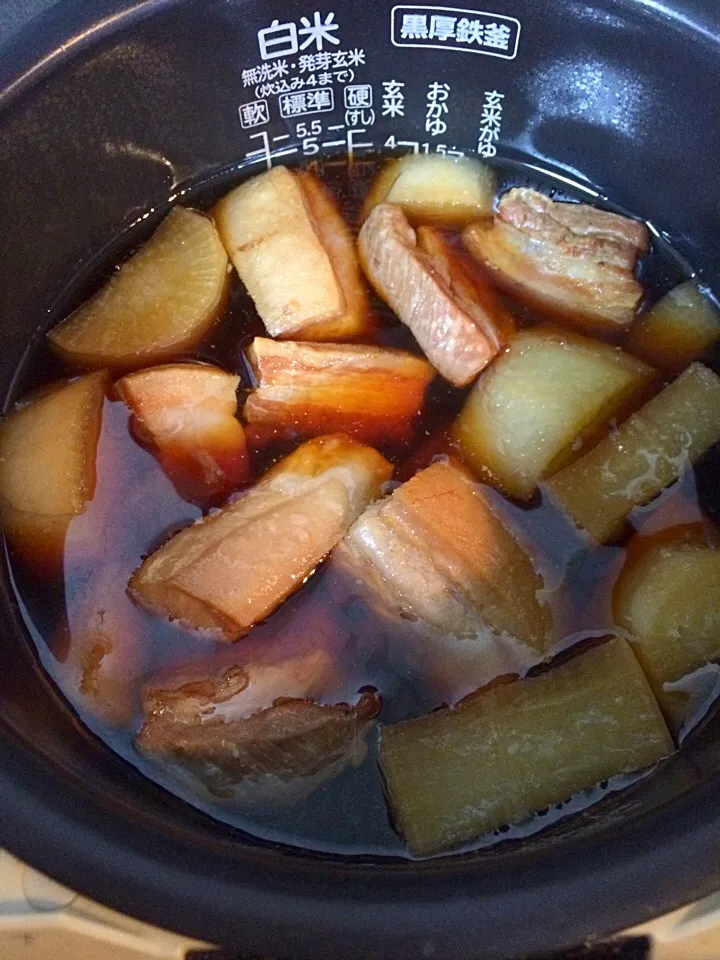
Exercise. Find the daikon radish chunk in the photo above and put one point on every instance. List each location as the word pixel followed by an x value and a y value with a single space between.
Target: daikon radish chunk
pixel 160 303
pixel 518 747
pixel 677 329
pixel 648 452
pixel 668 597
pixel 545 398
pixel 47 467
pixel 432 189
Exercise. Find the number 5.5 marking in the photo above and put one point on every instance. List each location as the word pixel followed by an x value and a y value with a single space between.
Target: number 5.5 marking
pixel 314 129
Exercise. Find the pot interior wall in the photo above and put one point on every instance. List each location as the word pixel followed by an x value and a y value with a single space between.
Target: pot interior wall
pixel 616 96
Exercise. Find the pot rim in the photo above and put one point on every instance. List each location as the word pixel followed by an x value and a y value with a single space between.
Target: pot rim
pixel 209 884
pixel 213 886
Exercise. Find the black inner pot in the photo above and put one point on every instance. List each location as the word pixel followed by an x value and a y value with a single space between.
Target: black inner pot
pixel 109 109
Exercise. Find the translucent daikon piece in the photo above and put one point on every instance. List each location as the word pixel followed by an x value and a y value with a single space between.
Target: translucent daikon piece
pixel 236 565
pixel 432 189
pixel 569 260
pixel 648 452
pixel 677 329
pixel 549 395
pixel 160 303
pixel 304 389
pixel 295 254
pixel 47 467
pixel 186 411
pixel 668 597
pixel 515 748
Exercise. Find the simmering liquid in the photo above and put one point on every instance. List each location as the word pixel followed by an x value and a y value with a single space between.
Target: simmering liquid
pixel 137 508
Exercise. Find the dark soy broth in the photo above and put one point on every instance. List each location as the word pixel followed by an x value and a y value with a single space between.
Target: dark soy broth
pixel 136 508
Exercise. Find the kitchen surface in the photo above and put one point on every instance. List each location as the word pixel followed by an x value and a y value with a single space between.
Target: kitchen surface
pixel 42 920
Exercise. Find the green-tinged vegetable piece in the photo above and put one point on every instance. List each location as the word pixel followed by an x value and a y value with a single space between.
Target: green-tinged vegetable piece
pixel 518 747
pixel 649 451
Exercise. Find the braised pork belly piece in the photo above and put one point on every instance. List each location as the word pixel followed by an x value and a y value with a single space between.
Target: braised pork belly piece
pixel 303 389
pixel 458 321
pixel 296 738
pixel 186 413
pixel 468 284
pixel 276 714
pixel 569 260
pixel 235 566
pixel 436 552
pixel 293 251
